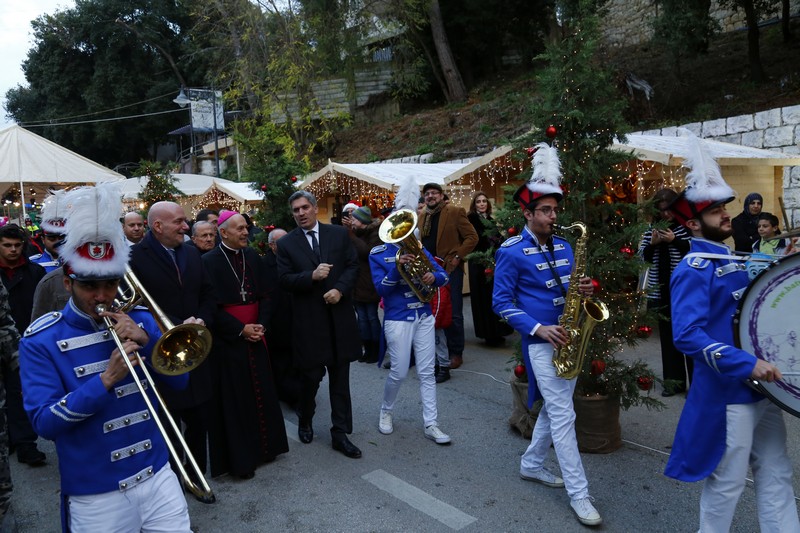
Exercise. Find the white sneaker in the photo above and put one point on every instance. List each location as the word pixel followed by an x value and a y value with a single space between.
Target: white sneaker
pixel 437 435
pixel 587 514
pixel 543 476
pixel 385 425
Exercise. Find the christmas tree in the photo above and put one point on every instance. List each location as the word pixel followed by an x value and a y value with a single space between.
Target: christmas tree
pixel 579 111
pixel 160 185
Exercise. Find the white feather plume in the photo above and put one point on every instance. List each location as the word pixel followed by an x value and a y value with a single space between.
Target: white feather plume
pixel 407 196
pixel 546 176
pixel 94 218
pixel 704 181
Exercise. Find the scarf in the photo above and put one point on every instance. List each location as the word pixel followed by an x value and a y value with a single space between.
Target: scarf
pixel 426 230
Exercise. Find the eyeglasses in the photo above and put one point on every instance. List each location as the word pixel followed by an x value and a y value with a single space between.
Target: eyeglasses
pixel 548 210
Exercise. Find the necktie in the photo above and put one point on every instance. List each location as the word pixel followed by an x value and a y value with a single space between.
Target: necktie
pixel 174 258
pixel 314 243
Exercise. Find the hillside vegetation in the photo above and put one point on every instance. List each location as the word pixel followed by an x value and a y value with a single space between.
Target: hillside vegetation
pixel 714 85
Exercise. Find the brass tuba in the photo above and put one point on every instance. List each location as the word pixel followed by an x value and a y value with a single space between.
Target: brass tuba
pixel 398 228
pixel 580 314
pixel 180 349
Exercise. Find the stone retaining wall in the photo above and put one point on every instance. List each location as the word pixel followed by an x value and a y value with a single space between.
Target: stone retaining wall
pixel 776 129
pixel 629 21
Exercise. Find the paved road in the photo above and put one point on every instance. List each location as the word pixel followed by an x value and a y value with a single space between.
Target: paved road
pixel 405 482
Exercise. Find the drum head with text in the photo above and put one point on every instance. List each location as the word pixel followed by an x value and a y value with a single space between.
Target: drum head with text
pixel 767 324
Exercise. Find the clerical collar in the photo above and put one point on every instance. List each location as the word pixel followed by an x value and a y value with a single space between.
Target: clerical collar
pixel 228 248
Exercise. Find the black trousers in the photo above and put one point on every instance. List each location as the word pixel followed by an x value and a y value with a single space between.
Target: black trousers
pixel 339 391
pixel 195 433
pixel 20 430
pixel 675 364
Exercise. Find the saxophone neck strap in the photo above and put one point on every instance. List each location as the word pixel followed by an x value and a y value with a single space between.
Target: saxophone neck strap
pixel 551 266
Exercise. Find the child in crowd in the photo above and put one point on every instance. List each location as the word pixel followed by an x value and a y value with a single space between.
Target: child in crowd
pixel 768 227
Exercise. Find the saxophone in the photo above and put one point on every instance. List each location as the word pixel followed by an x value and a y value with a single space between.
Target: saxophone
pixel 580 314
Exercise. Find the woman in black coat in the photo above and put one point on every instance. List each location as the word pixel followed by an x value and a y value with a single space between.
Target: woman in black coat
pixel 488 326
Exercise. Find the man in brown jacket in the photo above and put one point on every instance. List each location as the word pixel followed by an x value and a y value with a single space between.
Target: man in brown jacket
pixel 446 232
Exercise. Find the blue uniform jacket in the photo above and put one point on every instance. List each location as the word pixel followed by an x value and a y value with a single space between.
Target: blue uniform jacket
pixel 399 301
pixel 106 440
pixel 46 261
pixel 704 299
pixel 526 293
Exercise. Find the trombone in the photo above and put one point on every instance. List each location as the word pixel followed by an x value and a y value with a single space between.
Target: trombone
pixel 180 349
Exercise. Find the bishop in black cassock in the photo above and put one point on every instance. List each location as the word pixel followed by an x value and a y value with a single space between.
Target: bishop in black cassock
pixel 247 427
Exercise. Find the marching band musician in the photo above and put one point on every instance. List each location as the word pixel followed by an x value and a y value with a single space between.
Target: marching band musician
pixel 725 425
pixel 531 280
pixel 408 323
pixel 113 461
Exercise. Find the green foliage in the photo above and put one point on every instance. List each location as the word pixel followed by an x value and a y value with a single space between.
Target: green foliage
pixel 272 171
pixel 160 186
pixel 83 67
pixel 684 27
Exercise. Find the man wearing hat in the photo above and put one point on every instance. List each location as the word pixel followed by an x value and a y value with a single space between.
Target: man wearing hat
pixel 446 232
pixel 725 425
pixel 531 280
pixel 113 461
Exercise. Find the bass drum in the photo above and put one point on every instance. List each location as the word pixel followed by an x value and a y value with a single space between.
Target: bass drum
pixel 766 324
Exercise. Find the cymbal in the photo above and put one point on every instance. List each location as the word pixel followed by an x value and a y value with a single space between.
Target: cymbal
pixel 786 234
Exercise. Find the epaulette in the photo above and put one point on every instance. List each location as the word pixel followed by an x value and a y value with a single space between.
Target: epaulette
pixel 378 249
pixel 698 262
pixel 511 241
pixel 141 308
pixel 559 237
pixel 42 323
pixel 35 257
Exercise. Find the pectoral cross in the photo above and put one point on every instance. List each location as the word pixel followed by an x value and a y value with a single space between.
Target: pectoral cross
pixel 244 294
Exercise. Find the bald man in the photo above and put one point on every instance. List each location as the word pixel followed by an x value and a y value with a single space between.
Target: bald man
pixel 133 226
pixel 174 276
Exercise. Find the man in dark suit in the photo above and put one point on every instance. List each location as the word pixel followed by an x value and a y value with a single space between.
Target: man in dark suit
pixel 318 265
pixel 174 276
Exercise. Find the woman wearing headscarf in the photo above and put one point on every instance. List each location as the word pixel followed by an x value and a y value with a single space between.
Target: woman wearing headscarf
pixel 745 224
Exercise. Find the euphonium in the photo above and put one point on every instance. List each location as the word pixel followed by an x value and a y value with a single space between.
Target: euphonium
pixel 580 314
pixel 398 228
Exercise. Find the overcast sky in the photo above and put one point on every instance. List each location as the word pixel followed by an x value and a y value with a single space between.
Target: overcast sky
pixel 15 40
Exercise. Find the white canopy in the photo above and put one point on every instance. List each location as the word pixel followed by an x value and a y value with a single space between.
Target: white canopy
pixel 195 185
pixel 29 158
pixel 670 150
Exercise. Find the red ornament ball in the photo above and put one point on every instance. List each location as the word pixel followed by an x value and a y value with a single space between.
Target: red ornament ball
pixel 512 231
pixel 644 382
pixel 488 271
pixel 598 367
pixel 626 250
pixel 264 188
pixel 644 331
pixel 531 150
pixel 519 370
pixel 596 286
pixel 551 132
pixel 294 179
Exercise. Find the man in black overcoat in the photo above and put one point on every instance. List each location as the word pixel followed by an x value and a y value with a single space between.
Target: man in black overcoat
pixel 317 264
pixel 174 276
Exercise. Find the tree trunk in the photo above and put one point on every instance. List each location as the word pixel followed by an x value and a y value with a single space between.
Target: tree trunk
pixel 753 52
pixel 456 91
pixel 786 28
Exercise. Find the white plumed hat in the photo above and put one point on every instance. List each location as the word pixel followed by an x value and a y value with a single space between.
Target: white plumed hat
pixel 95 247
pixel 54 211
pixel 705 186
pixel 545 179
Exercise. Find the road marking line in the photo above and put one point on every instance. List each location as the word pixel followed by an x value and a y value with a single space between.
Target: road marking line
pixel 291 430
pixel 419 499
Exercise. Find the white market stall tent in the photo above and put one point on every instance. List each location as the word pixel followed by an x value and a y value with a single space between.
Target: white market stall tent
pixel 746 169
pixel 197 192
pixel 32 165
